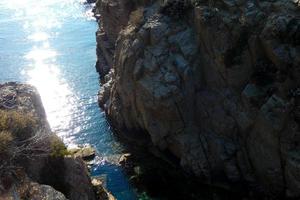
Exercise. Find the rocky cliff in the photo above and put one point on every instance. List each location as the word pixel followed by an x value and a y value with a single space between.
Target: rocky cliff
pixel 34 162
pixel 214 82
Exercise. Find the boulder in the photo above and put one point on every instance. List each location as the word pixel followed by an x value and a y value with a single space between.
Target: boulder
pixel 87 153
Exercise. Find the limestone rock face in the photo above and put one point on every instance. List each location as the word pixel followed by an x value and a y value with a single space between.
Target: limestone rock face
pixel 217 88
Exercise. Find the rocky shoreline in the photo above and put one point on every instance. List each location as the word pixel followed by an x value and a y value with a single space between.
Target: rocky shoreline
pixel 44 169
pixel 211 84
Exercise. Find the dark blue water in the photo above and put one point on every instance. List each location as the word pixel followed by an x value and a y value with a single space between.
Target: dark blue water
pixel 51 44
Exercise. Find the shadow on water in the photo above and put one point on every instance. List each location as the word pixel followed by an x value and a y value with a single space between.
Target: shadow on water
pixel 112 175
pixel 158 175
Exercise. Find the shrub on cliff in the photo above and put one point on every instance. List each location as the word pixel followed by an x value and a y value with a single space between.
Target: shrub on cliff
pixel 22 140
pixel 15 130
pixel 19 140
pixel 58 148
pixel 20 125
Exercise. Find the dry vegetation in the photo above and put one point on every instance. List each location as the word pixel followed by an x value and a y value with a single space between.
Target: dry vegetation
pixel 20 140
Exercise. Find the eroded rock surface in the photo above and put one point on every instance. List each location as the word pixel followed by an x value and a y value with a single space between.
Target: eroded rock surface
pixel 216 85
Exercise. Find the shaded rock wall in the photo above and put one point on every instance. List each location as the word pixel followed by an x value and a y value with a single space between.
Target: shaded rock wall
pixel 216 85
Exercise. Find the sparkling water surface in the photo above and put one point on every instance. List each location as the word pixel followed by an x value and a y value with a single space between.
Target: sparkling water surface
pixel 51 45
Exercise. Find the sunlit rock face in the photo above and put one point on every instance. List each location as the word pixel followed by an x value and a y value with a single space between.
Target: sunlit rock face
pixel 218 87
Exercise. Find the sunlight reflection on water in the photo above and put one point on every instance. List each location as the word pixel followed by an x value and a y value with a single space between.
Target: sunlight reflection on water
pixel 39 36
pixel 41 17
pixel 50 44
pixel 47 63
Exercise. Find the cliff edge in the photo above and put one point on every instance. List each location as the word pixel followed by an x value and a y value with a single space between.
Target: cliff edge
pixel 35 164
pixel 216 83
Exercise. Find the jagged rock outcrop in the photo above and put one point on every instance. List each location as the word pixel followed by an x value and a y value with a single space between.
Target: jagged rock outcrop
pixel 33 164
pixel 216 85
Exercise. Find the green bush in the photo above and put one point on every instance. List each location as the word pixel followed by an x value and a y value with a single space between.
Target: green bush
pixel 14 126
pixel 58 148
pixel 19 124
pixel 16 129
